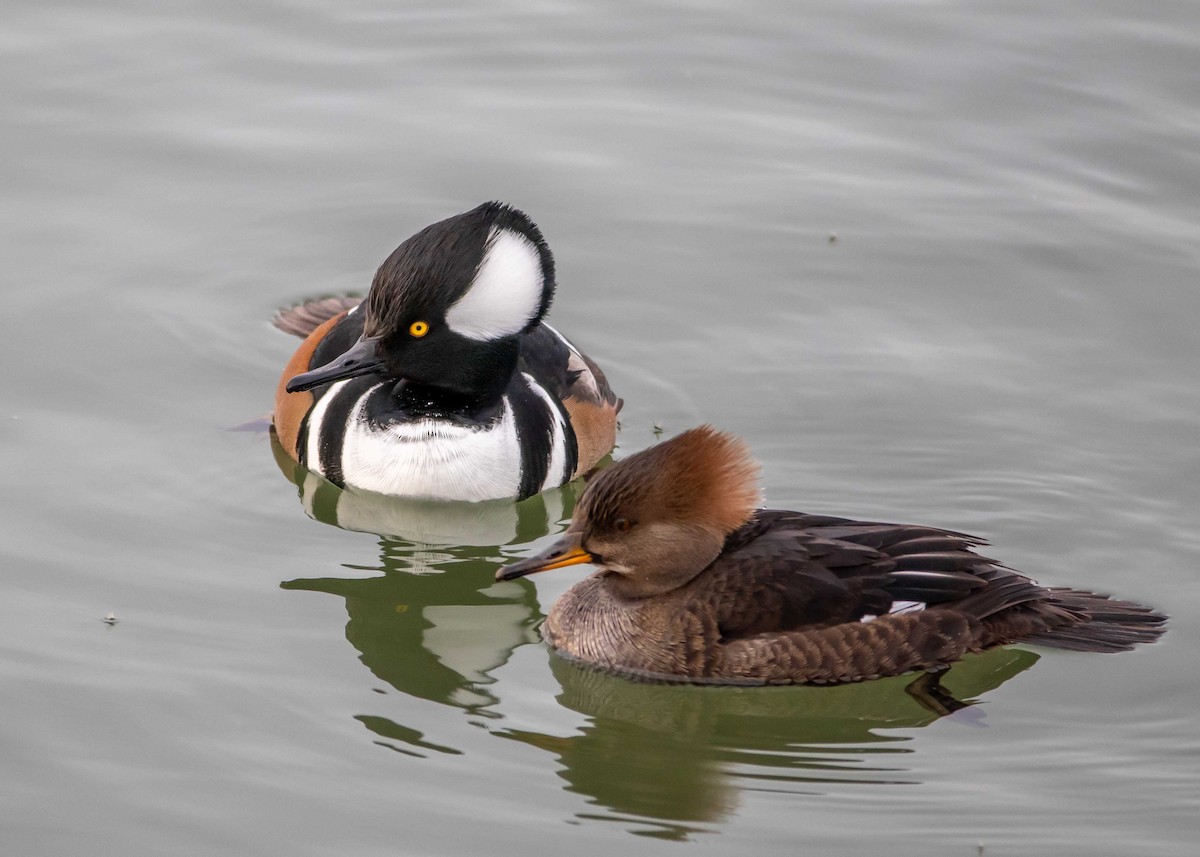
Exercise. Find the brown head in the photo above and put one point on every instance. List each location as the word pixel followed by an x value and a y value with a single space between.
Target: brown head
pixel 655 520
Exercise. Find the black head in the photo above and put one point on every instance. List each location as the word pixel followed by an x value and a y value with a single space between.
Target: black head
pixel 446 308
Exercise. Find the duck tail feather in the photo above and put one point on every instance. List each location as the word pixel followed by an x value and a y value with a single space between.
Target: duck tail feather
pixel 1107 624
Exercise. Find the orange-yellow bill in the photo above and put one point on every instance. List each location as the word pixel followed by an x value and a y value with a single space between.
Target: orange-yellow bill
pixel 566 551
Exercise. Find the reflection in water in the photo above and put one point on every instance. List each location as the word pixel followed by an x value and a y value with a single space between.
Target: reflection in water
pixel 685 752
pixel 430 635
pixel 664 759
pixel 492 523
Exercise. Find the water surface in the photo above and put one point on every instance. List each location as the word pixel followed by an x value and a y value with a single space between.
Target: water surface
pixel 937 263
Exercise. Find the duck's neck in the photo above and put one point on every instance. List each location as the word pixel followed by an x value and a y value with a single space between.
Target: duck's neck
pixel 473 392
pixel 671 556
pixel 420 400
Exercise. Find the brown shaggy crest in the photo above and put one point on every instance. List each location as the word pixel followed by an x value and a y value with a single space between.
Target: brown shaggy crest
pixel 702 476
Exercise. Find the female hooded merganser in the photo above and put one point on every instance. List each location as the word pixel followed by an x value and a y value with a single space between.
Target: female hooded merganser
pixel 445 383
pixel 696 583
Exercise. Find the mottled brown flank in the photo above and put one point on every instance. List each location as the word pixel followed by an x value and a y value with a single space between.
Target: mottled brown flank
pixel 292 408
pixel 702 476
pixel 854 651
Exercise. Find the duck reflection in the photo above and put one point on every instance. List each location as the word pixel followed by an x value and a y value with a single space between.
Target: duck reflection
pixel 667 756
pixel 425 522
pixel 666 760
pixel 429 635
pixel 434 623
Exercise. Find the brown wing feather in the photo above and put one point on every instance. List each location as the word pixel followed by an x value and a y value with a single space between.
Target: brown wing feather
pixel 783 582
pixel 786 571
pixel 303 319
pixel 784 562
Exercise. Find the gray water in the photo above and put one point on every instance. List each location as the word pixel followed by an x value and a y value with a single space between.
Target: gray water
pixel 937 262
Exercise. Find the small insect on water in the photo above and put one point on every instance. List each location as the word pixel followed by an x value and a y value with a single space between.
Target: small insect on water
pixel 111 618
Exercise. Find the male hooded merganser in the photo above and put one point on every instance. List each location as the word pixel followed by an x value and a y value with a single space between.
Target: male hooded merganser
pixel 445 383
pixel 696 583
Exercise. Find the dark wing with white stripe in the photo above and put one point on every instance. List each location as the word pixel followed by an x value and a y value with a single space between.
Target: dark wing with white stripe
pixel 796 573
pixel 786 571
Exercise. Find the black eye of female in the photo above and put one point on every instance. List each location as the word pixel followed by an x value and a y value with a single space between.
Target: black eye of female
pixel 622 525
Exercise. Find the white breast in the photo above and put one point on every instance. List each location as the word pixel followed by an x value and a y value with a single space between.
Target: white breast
pixel 432 459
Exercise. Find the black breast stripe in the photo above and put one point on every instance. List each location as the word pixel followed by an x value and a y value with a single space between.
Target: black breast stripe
pixel 535 434
pixel 344 334
pixel 571 459
pixel 334 425
pixel 302 441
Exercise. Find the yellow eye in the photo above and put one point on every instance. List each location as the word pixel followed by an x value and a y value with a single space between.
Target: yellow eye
pixel 418 328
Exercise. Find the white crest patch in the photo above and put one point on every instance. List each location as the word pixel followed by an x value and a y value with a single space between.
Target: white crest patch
pixel 506 292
